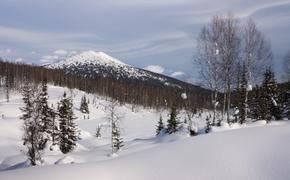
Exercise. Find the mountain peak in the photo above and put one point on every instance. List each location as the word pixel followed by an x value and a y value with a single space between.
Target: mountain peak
pixel 89 57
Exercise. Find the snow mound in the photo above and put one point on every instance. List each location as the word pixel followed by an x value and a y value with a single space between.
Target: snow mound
pixel 260 153
pixel 65 160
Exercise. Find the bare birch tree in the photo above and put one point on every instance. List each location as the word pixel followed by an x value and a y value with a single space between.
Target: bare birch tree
pixel 208 58
pixel 256 56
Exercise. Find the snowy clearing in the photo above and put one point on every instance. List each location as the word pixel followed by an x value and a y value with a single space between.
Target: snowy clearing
pixel 245 153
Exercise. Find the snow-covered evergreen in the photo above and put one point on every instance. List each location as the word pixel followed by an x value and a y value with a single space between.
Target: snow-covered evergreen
pixel 68 131
pixel 32 126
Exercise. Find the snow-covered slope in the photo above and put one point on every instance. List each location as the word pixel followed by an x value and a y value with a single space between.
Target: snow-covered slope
pixel 99 64
pixel 137 129
pixel 260 153
pixel 253 151
pixel 89 57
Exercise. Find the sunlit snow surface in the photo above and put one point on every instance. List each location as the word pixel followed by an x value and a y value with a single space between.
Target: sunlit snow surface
pixel 252 151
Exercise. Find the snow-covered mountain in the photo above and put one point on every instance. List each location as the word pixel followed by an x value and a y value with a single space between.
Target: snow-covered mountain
pixel 99 64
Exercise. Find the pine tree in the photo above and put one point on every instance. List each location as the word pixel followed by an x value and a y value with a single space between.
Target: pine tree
pixel 114 119
pixel 286 105
pixel 32 125
pixel 160 126
pixel 117 141
pixel 243 104
pixel 84 108
pixel 98 131
pixel 68 132
pixel 208 125
pixel 269 106
pixel 46 115
pixel 54 132
pixel 254 104
pixel 172 123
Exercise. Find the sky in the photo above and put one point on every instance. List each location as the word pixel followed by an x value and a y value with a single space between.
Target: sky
pixel 156 34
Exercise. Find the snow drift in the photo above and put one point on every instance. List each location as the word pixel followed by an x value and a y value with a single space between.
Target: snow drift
pixel 250 153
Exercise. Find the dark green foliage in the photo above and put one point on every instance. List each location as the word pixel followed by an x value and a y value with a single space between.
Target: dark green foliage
pixel 270 108
pixel 160 126
pixel 117 141
pixel 84 108
pixel 47 115
pixel 68 132
pixel 172 123
pixel 98 131
pixel 254 103
pixel 32 125
pixel 243 102
pixel 208 125
pixel 286 104
pixel 144 93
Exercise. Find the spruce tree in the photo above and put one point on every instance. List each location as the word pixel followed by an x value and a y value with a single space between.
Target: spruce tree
pixel 172 123
pixel 114 120
pixel 160 126
pixel 84 108
pixel 117 141
pixel 68 132
pixel 243 101
pixel 55 127
pixel 270 107
pixel 32 125
pixel 98 131
pixel 254 104
pixel 208 125
pixel 46 115
pixel 286 105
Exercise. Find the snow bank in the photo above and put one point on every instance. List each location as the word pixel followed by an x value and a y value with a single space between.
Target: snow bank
pixel 260 153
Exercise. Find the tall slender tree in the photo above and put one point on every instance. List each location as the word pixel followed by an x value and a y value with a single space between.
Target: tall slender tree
pixel 243 100
pixel 160 125
pixel 114 120
pixel 270 105
pixel 68 131
pixel 46 115
pixel 32 125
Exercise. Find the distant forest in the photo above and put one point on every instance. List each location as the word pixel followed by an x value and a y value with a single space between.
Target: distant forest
pixel 13 76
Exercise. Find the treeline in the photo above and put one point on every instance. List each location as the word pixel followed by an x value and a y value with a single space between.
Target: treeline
pixel 138 93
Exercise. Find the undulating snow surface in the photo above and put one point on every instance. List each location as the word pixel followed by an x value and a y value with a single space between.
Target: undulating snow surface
pixel 252 151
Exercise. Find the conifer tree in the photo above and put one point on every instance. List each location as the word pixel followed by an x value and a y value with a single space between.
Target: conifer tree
pixel 286 105
pixel 172 123
pixel 32 125
pixel 160 126
pixel 98 131
pixel 68 132
pixel 114 120
pixel 55 127
pixel 243 104
pixel 208 125
pixel 46 115
pixel 117 141
pixel 269 106
pixel 254 102
pixel 84 108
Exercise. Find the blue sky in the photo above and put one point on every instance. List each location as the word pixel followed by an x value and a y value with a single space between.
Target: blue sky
pixel 138 32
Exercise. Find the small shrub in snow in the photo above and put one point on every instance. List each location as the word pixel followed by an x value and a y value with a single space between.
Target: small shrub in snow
pixel 160 126
pixel 98 131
